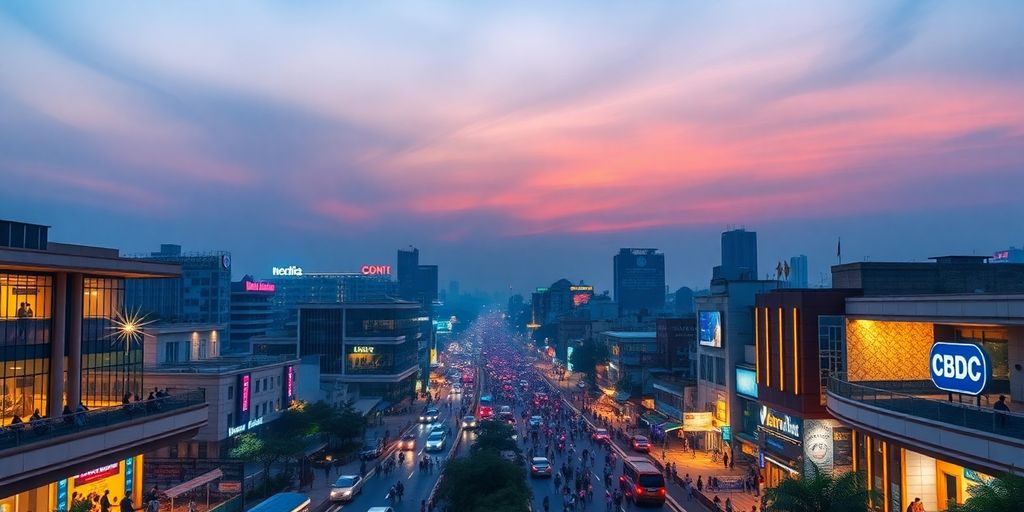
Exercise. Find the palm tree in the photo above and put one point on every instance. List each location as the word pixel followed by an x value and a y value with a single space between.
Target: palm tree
pixel 1003 494
pixel 821 492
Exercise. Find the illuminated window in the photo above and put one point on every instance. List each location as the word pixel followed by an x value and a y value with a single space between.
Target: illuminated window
pixel 25 323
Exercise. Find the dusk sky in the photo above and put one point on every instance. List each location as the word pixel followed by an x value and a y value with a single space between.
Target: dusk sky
pixel 516 143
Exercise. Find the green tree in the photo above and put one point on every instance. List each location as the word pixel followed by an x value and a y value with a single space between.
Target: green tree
pixel 1002 494
pixel 821 492
pixel 494 437
pixel 483 482
pixel 268 449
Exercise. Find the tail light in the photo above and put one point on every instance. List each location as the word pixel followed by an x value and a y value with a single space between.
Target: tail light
pixel 661 492
pixel 622 479
pixel 639 490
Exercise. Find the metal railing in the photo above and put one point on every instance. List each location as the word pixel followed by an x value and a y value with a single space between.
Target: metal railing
pixel 42 429
pixel 968 416
pixel 218 365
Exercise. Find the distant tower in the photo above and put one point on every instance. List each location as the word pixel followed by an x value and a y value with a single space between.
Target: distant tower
pixel 798 271
pixel 739 255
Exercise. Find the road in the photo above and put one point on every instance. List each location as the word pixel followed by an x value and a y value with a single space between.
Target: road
pixel 418 484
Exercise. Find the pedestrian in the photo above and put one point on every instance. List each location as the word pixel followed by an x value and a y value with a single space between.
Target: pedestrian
pixel 192 506
pixel 126 503
pixel 725 459
pixel 105 501
pixel 700 483
pixel 728 505
pixel 1002 409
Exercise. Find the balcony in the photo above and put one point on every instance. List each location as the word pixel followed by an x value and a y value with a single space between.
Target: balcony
pixel 42 451
pixel 974 436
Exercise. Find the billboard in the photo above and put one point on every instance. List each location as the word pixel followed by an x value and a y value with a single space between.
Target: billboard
pixel 746 382
pixel 959 367
pixel 697 421
pixel 709 328
pixel 369 359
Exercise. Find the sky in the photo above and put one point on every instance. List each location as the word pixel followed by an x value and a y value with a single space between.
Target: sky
pixel 515 143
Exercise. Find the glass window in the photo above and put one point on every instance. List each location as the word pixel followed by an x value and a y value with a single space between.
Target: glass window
pixel 111 361
pixel 25 323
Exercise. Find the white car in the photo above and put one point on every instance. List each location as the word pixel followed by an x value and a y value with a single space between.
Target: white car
pixel 346 487
pixel 435 441
pixel 468 422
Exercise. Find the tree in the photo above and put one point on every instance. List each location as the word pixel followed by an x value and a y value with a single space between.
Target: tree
pixel 483 482
pixel 494 437
pixel 587 356
pixel 821 492
pixel 268 449
pixel 1002 494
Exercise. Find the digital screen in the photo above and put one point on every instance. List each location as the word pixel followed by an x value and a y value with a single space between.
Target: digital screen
pixel 746 382
pixel 709 333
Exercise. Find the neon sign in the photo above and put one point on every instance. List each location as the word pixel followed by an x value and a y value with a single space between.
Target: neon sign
pixel 959 367
pixel 290 270
pixel 251 286
pixel 779 422
pixel 362 350
pixel 245 393
pixel 291 381
pixel 376 270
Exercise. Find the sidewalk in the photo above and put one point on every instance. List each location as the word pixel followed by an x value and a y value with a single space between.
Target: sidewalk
pixel 701 465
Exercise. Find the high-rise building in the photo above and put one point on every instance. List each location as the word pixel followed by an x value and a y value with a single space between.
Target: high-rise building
pixel 426 285
pixel 252 311
pixel 69 340
pixel 739 256
pixel 798 271
pixel 324 288
pixel 639 280
pixel 408 271
pixel 201 295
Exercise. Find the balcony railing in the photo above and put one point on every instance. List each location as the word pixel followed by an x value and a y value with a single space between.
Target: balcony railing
pixel 1004 423
pixel 33 431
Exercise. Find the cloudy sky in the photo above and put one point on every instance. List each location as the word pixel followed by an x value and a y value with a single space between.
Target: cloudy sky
pixel 516 142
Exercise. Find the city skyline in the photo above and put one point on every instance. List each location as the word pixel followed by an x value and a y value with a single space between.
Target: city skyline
pixel 518 145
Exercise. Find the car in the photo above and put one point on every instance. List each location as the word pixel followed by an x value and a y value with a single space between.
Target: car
pixel 535 422
pixel 486 412
pixel 641 481
pixel 346 487
pixel 408 442
pixel 540 466
pixel 371 451
pixel 435 441
pixel 429 416
pixel 641 444
pixel 468 422
pixel 600 435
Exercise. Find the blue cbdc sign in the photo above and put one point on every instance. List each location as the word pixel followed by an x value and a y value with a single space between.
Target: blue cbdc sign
pixel 959 367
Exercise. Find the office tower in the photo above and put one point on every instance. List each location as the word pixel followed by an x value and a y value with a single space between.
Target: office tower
pixel 252 311
pixel 408 269
pixel 739 255
pixel 201 295
pixel 798 271
pixel 639 280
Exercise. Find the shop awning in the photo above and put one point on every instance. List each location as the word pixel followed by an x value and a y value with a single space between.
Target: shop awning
pixel 365 405
pixel 652 418
pixel 669 426
pixel 184 487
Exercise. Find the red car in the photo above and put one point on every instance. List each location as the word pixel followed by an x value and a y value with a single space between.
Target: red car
pixel 600 435
pixel 641 444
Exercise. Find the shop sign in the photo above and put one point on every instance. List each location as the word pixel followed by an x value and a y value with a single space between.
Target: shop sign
pixel 726 433
pixel 959 367
pixel 290 270
pixel 818 445
pixel 129 475
pixel 746 382
pixel 842 446
pixel 362 350
pixel 697 421
pixel 781 423
pixel 97 474
pixel 258 286
pixel 974 476
pixel 62 494
pixel 376 270
pixel 251 424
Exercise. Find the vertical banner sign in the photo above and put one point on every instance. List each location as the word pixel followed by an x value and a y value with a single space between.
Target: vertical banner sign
pixel 243 399
pixel 289 385
pixel 842 443
pixel 62 494
pixel 129 475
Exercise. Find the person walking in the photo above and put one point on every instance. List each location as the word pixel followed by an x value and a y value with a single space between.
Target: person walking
pixel 105 501
pixel 1002 409
pixel 725 459
pixel 126 503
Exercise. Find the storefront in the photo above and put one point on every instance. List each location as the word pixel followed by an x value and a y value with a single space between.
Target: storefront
pixel 792 446
pixel 117 479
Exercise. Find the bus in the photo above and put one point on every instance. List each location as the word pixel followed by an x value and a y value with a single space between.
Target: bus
pixel 284 502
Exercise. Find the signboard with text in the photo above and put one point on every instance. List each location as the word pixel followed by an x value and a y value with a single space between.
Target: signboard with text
pixel 959 367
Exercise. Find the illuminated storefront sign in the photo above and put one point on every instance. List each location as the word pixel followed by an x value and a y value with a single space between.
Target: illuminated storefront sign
pixel 781 423
pixel 362 359
pixel 97 474
pixel 289 385
pixel 959 367
pixel 362 350
pixel 251 424
pixel 568 359
pixel 290 270
pixel 376 270
pixel 254 286
pixel 746 382
pixel 245 393
pixel 697 421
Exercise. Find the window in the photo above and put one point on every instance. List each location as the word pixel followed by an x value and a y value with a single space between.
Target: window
pixel 720 371
pixel 256 386
pixel 172 351
pixel 231 419
pixel 231 392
